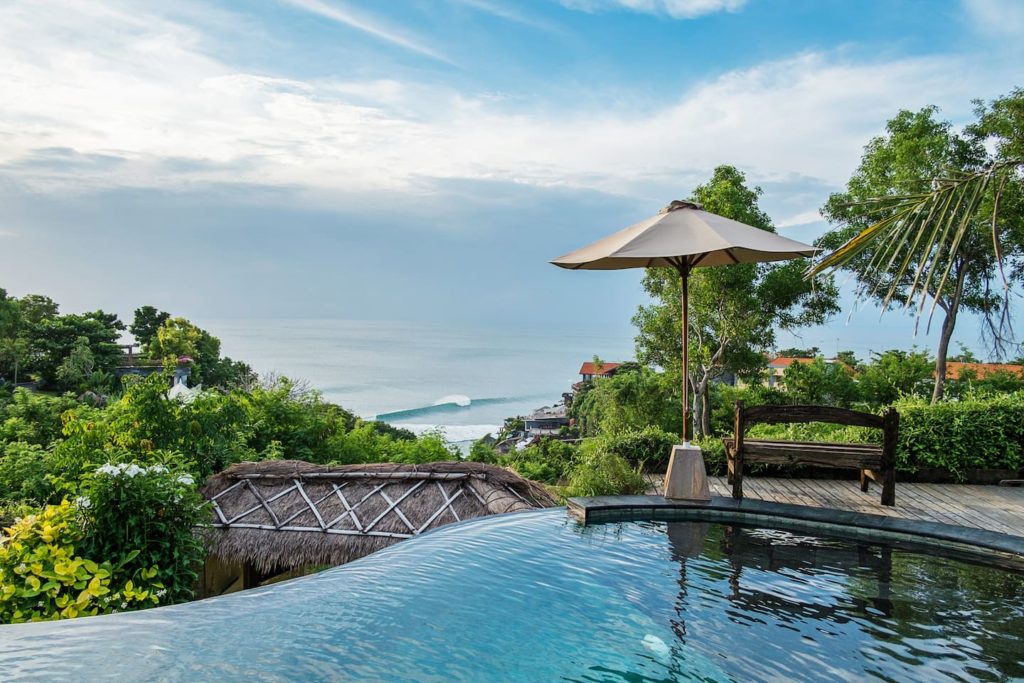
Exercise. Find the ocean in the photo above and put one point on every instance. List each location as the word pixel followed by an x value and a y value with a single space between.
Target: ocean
pixel 464 380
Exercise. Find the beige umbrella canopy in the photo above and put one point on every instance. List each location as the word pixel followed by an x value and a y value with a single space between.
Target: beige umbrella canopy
pixel 684 236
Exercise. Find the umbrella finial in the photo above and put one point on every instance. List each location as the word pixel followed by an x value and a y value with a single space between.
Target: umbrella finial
pixel 677 204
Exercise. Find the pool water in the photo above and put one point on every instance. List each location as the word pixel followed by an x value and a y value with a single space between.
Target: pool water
pixel 535 597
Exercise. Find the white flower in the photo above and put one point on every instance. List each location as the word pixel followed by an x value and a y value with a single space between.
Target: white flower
pixel 21 568
pixel 112 470
pixel 158 469
pixel 133 469
pixel 186 479
pixel 83 502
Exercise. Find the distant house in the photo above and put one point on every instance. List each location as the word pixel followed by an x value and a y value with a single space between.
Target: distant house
pixel 546 421
pixel 954 369
pixel 590 370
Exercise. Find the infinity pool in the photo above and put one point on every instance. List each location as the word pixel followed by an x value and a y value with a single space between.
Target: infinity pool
pixel 535 597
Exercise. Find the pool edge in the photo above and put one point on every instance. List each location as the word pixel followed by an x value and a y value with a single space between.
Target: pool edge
pixel 989 546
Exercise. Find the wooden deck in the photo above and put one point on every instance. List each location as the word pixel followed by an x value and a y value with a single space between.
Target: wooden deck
pixel 995 508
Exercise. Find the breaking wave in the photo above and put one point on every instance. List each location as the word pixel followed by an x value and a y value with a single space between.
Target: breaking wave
pixel 446 405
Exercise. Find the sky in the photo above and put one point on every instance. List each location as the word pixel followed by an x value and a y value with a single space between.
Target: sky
pixel 424 160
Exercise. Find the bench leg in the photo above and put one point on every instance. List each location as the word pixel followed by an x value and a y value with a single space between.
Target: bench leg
pixel 864 481
pixel 889 487
pixel 737 477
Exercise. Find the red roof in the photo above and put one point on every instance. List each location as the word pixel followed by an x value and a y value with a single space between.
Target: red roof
pixel 980 370
pixel 589 368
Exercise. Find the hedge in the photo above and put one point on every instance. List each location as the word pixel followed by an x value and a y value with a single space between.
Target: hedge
pixel 971 433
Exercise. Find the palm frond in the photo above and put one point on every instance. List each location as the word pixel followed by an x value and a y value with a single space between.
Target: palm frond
pixel 927 228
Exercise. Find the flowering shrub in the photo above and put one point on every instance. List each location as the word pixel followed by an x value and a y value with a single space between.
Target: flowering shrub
pixel 43 578
pixel 143 517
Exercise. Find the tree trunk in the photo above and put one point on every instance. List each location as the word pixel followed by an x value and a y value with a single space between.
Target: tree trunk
pixel 948 325
pixel 705 415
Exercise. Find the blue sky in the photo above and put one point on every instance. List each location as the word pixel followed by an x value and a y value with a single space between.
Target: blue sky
pixel 424 160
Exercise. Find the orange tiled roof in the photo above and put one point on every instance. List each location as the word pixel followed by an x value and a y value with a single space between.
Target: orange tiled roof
pixel 786 361
pixel 588 368
pixel 980 370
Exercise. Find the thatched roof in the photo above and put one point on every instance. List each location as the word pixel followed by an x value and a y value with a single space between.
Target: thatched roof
pixel 281 514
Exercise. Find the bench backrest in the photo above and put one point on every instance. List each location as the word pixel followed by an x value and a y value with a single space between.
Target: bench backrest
pixel 801 413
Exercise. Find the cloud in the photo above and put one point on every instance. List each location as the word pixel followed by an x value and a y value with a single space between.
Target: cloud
pixel 343 15
pixel 108 97
pixel 677 9
pixel 997 16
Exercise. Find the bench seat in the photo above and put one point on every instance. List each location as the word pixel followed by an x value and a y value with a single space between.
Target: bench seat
pixel 876 462
pixel 818 453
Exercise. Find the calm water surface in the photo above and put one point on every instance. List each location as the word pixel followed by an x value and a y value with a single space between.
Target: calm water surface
pixel 534 597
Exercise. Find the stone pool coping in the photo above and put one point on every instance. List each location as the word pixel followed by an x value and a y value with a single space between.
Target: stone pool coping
pixel 970 543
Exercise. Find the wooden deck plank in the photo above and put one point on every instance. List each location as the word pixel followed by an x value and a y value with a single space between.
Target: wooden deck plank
pixel 995 508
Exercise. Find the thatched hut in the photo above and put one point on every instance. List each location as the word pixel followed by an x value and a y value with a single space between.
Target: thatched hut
pixel 282 516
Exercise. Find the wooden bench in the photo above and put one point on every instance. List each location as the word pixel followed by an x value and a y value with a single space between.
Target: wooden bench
pixel 875 462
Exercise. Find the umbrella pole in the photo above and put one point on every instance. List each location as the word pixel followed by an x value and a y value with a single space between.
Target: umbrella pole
pixel 684 274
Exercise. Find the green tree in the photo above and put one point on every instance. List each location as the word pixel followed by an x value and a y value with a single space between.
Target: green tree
pixel 896 373
pixel 178 337
pixel 13 348
pixel 821 383
pixel 35 308
pixel 916 148
pixel 145 324
pixel 794 352
pixel 52 340
pixel 734 310
pixel 634 398
pixel 78 366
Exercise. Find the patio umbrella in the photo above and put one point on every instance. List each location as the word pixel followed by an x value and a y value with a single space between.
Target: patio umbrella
pixel 684 236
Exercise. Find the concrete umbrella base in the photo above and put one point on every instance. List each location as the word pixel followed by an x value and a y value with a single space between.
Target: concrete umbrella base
pixel 686 477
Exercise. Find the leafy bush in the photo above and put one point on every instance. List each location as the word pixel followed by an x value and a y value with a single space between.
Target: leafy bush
pixel 143 519
pixel 43 578
pixel 974 432
pixel 32 417
pixel 599 472
pixel 648 448
pixel 814 431
pixel 23 473
pixel 548 461
pixel 713 451
pixel 633 398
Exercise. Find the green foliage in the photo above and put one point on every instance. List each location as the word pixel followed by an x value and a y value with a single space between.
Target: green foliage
pixel 894 374
pixel 821 383
pixel 928 212
pixel 734 310
pixel 145 324
pixel 23 473
pixel 630 399
pixel 42 576
pixel 92 339
pixel 815 431
pixel 599 472
pixel 33 417
pixel 723 403
pixel 973 432
pixel 548 461
pixel 141 518
pixel 648 448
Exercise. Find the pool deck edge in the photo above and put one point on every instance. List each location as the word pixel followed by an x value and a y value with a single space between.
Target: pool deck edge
pixel 599 509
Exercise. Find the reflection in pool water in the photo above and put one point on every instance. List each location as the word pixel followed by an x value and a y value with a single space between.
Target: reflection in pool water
pixel 534 597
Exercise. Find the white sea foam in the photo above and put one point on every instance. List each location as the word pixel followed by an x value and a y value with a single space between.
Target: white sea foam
pixel 453 433
pixel 457 399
